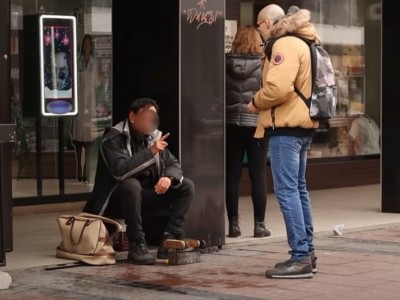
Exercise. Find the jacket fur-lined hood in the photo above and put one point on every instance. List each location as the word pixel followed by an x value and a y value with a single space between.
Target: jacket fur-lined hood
pixel 299 23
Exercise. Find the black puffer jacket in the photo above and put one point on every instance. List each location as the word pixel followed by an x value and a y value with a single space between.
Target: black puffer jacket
pixel 120 158
pixel 243 80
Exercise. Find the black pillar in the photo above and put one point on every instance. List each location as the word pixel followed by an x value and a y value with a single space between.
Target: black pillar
pixel 202 117
pixel 5 117
pixel 390 107
pixel 146 60
pixel 373 54
pixel 161 50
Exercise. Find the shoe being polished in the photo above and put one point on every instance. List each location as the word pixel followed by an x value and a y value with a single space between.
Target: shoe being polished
pixel 162 252
pixel 292 270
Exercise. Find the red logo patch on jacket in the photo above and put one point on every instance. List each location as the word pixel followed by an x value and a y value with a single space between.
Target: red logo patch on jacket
pixel 278 58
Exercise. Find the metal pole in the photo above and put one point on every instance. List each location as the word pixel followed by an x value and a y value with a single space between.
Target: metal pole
pixel 39 169
pixel 61 174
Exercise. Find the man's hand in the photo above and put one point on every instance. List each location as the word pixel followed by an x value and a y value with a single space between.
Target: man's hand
pixel 164 183
pixel 251 108
pixel 160 144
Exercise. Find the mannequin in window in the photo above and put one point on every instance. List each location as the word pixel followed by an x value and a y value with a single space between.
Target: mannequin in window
pixel 364 136
pixel 83 128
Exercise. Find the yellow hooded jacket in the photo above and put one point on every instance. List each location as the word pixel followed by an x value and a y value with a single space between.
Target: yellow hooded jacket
pixel 282 111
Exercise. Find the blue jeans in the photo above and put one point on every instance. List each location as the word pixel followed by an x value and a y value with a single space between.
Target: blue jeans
pixel 288 158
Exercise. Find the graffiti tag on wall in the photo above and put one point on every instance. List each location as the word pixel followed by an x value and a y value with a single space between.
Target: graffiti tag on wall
pixel 200 15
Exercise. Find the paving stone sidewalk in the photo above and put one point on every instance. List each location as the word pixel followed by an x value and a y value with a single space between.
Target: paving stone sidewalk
pixel 359 265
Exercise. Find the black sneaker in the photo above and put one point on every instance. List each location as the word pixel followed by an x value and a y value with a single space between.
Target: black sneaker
pixel 313 262
pixel 139 254
pixel 292 270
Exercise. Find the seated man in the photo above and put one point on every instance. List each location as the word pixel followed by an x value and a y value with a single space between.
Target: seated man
pixel 137 174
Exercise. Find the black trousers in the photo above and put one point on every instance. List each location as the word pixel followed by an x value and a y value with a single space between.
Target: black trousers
pixel 130 201
pixel 240 139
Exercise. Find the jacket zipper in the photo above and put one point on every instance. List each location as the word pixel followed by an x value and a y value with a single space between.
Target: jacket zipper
pixel 273 118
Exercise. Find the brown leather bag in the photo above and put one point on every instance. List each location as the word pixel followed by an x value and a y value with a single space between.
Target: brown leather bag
pixel 85 238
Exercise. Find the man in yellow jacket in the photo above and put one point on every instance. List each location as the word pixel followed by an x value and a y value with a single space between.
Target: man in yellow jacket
pixel 286 119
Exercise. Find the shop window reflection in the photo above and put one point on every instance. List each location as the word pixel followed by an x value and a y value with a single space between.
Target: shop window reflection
pixel 352 38
pixel 93 17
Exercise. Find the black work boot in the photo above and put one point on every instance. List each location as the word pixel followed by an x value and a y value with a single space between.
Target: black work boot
pixel 234 229
pixel 139 254
pixel 313 262
pixel 292 270
pixel 260 230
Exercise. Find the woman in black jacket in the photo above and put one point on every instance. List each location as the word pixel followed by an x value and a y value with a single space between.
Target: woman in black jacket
pixel 243 80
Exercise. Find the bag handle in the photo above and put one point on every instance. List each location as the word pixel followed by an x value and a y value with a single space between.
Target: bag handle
pixel 105 220
pixel 71 221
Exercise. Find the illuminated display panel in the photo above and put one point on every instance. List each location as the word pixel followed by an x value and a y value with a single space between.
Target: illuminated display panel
pixel 58 74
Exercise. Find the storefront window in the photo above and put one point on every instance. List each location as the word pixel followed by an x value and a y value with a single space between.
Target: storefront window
pixel 350 32
pixel 40 167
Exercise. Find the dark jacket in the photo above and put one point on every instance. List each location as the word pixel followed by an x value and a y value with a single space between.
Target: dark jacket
pixel 243 80
pixel 122 155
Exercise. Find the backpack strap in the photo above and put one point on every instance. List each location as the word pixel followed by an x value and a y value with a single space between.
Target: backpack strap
pixel 313 52
pixel 268 47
